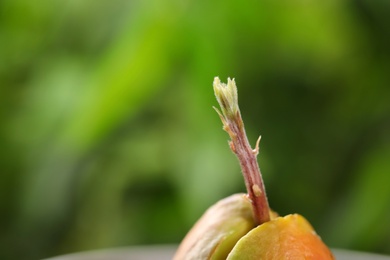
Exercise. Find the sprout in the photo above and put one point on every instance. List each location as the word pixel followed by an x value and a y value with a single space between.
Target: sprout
pixel 226 95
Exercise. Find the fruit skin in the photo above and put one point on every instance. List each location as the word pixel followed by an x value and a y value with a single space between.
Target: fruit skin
pixel 227 230
pixel 289 237
pixel 218 230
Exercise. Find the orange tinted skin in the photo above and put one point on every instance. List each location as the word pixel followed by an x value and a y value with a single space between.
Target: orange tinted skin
pixel 289 237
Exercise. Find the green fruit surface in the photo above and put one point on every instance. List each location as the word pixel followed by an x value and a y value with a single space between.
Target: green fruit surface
pixel 218 230
pixel 227 231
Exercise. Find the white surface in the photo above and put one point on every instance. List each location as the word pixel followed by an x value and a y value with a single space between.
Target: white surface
pixel 166 253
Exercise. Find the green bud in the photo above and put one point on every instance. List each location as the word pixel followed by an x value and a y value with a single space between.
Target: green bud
pixel 226 95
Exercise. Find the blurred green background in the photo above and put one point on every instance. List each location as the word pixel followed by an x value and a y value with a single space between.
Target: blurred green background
pixel 108 137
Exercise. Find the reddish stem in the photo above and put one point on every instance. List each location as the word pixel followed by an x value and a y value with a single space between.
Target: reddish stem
pixel 234 126
pixel 250 169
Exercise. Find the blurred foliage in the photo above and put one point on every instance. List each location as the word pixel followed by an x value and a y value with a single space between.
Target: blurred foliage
pixel 108 137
